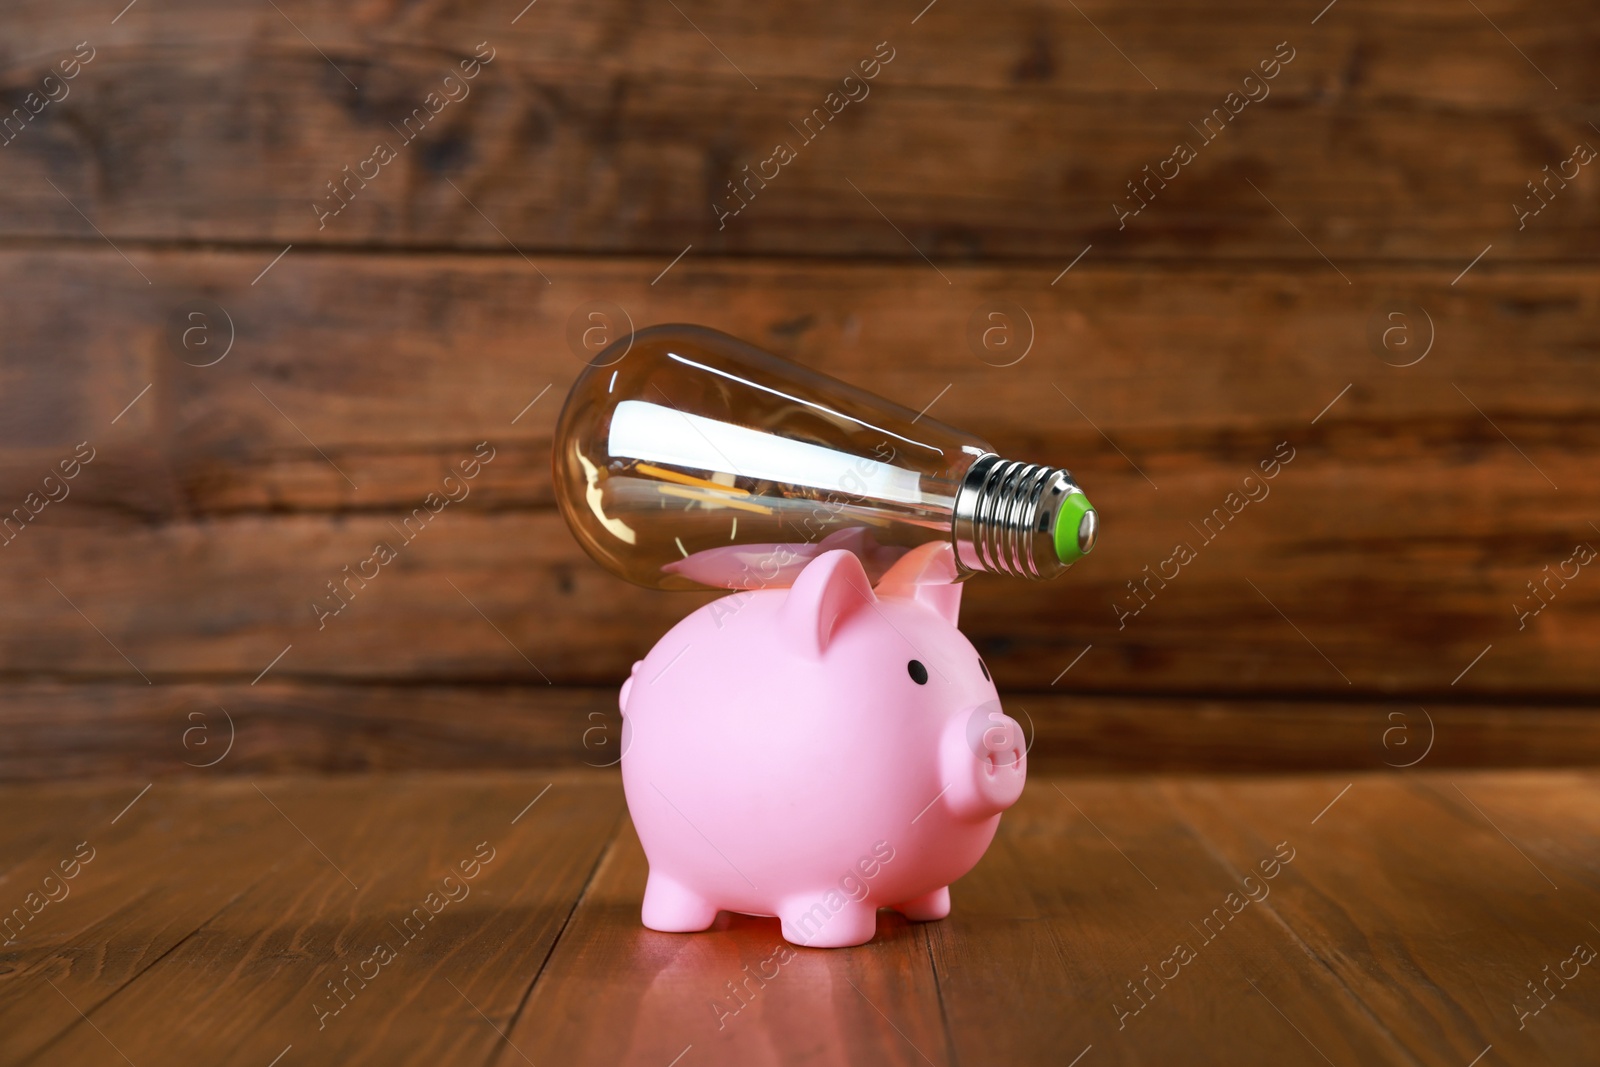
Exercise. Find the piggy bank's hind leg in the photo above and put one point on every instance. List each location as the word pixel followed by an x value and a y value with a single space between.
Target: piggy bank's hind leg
pixel 926 908
pixel 808 922
pixel 673 907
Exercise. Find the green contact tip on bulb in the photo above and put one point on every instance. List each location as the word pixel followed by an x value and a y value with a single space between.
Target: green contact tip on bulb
pixel 1077 526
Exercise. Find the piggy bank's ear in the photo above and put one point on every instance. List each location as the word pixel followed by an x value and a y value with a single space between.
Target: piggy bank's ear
pixel 832 586
pixel 926 574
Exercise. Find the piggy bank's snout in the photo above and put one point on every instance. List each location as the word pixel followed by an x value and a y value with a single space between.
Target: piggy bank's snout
pixel 985 761
pixel 1007 760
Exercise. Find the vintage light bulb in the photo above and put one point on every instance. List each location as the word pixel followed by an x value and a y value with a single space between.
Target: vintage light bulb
pixel 688 459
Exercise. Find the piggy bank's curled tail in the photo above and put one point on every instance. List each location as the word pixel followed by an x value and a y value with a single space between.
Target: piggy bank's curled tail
pixel 627 686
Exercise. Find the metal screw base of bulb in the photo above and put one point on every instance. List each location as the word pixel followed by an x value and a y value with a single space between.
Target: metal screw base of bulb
pixel 1006 514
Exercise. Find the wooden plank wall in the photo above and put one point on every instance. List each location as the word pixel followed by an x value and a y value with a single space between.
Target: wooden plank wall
pixel 1381 171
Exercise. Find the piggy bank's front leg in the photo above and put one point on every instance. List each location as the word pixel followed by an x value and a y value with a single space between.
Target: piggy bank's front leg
pixel 674 908
pixel 807 921
pixel 928 907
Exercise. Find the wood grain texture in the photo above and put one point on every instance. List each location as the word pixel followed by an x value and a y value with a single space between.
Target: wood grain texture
pixel 1372 52
pixel 1008 135
pixel 1448 975
pixel 1399 925
pixel 1395 544
pixel 247 981
pixel 1233 316
pixel 1085 887
pixel 1383 50
pixel 58 730
pixel 1399 933
pixel 396 365
pixel 69 729
pixel 663 993
pixel 112 921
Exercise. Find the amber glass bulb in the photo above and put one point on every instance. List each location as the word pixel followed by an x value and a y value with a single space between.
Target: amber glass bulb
pixel 688 459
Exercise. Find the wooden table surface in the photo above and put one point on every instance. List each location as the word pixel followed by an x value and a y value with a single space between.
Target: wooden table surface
pixel 1409 578
pixel 208 921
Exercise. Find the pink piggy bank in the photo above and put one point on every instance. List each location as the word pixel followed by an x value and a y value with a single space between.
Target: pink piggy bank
pixel 817 752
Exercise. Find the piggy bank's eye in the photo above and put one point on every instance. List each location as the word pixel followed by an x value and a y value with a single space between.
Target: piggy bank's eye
pixel 918 672
pixel 984 667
